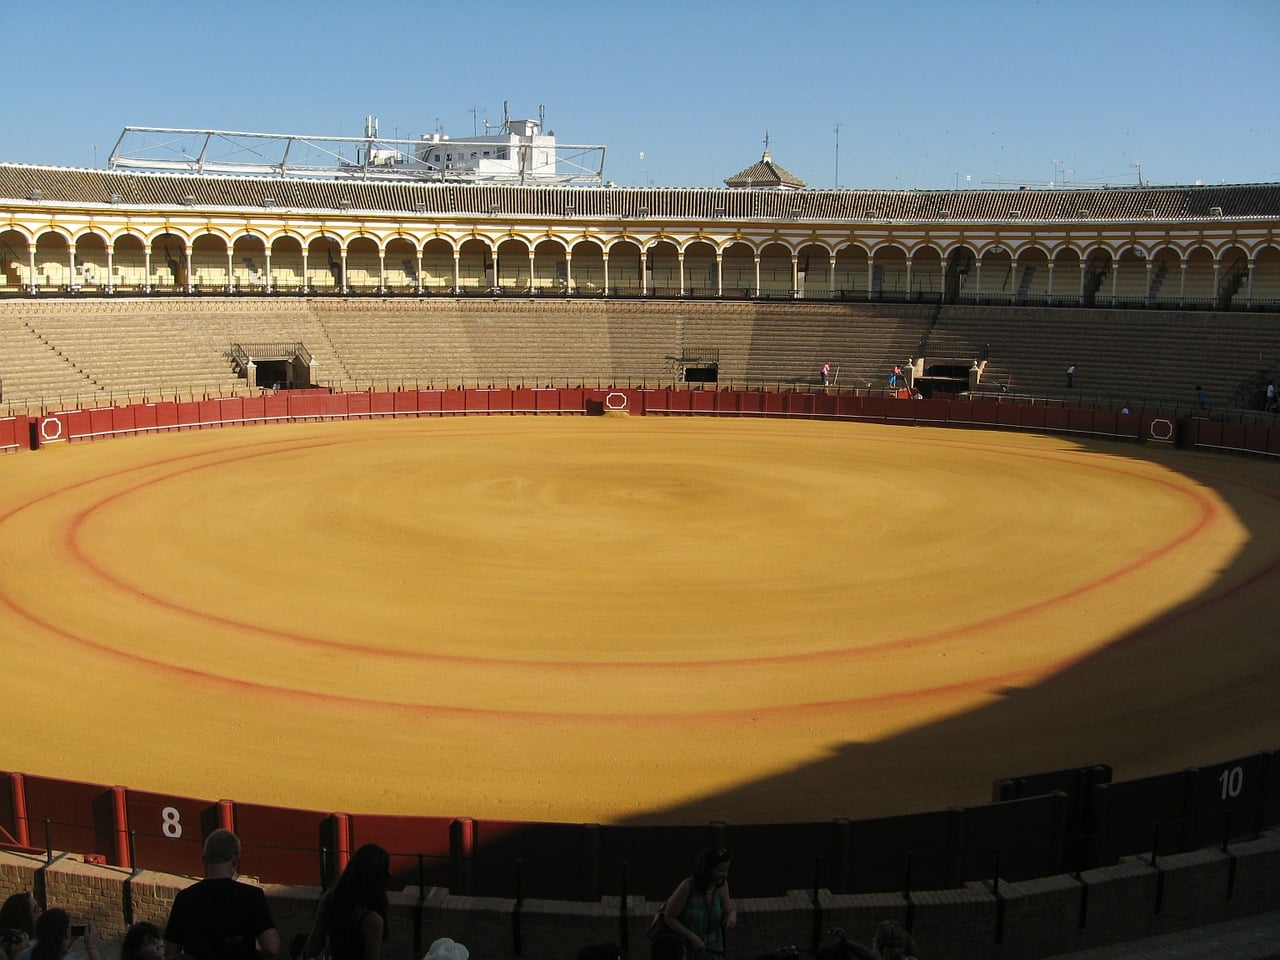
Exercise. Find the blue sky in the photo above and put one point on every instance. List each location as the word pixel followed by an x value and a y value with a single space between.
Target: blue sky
pixel 927 94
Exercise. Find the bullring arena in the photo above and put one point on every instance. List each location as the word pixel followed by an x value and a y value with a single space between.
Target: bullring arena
pixel 512 527
pixel 466 616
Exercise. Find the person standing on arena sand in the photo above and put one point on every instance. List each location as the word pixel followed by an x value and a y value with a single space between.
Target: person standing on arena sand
pixel 352 917
pixel 700 908
pixel 219 918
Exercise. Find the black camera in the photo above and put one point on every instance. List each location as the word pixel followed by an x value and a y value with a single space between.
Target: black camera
pixel 9 938
pixel 78 929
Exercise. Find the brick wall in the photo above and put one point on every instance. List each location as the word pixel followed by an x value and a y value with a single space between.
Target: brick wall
pixel 1017 921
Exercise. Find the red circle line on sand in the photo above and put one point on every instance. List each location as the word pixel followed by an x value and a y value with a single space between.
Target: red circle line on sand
pixel 1206 512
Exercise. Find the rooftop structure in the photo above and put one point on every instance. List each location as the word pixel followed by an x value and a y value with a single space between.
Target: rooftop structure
pixel 520 153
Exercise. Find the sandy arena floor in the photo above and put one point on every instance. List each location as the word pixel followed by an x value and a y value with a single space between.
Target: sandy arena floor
pixel 630 619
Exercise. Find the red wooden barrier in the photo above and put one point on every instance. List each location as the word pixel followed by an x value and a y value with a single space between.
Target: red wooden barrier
pixel 70 816
pixel 9 434
pixel 405 838
pixel 282 845
pixel 101 423
pixel 168 832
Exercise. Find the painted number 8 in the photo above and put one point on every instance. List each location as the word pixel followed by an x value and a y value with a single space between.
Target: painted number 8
pixel 171 823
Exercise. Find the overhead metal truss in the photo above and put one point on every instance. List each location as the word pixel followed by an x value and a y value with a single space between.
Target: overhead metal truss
pixel 363 158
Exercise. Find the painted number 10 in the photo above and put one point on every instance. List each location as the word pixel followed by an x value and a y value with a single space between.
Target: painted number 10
pixel 1232 782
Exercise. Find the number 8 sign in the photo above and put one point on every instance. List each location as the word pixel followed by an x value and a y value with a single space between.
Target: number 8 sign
pixel 166 831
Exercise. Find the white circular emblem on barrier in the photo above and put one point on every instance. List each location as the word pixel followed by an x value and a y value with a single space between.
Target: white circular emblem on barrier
pixel 615 401
pixel 50 434
pixel 1161 429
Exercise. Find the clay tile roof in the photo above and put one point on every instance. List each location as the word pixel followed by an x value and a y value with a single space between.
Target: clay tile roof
pixel 766 175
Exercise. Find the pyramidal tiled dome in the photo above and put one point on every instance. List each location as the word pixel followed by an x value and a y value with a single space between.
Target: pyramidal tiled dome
pixel 765 175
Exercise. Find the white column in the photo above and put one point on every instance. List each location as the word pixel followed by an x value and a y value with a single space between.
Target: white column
pixel 419 269
pixel 306 280
pixel 909 261
pixel 1182 284
pixel 795 276
pixel 231 283
pixel 757 262
pixel 342 270
pixel 1146 299
pixel 831 277
pixel 719 275
pixel 532 278
pixel 680 266
pixel 382 271
pixel 568 272
pixel 871 273
pixel 457 271
pixel 1049 295
pixel 266 277
pixel 111 275
pixel 31 259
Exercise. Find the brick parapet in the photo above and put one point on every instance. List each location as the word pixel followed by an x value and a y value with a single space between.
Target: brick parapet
pixel 1016 921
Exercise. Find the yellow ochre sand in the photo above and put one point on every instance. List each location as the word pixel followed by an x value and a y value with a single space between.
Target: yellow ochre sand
pixel 630 619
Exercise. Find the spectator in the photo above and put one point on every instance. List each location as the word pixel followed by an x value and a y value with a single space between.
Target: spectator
pixel 142 941
pixel 892 942
pixel 18 918
pixel 1071 376
pixel 446 949
pixel 826 374
pixel 219 918
pixel 700 908
pixel 352 917
pixel 1273 400
pixel 54 936
pixel 1202 401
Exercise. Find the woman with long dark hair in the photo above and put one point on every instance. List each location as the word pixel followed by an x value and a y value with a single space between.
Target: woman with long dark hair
pixel 352 917
pixel 54 936
pixel 18 922
pixel 700 908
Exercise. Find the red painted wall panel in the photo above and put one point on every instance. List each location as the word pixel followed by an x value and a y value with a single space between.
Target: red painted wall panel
pixel 1033 417
pixel 404 838
pixel 1080 420
pixel 73 816
pixel 279 844
pixel 211 412
pixel 873 408
pixel 188 413
pixel 980 411
pixel 405 401
pixel 168 831
pixel 1232 435
pixel 276 406
pixel 1057 418
pixel 9 433
pixel 102 421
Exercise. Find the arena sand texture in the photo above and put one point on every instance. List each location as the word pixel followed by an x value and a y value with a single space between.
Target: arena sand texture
pixel 630 619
